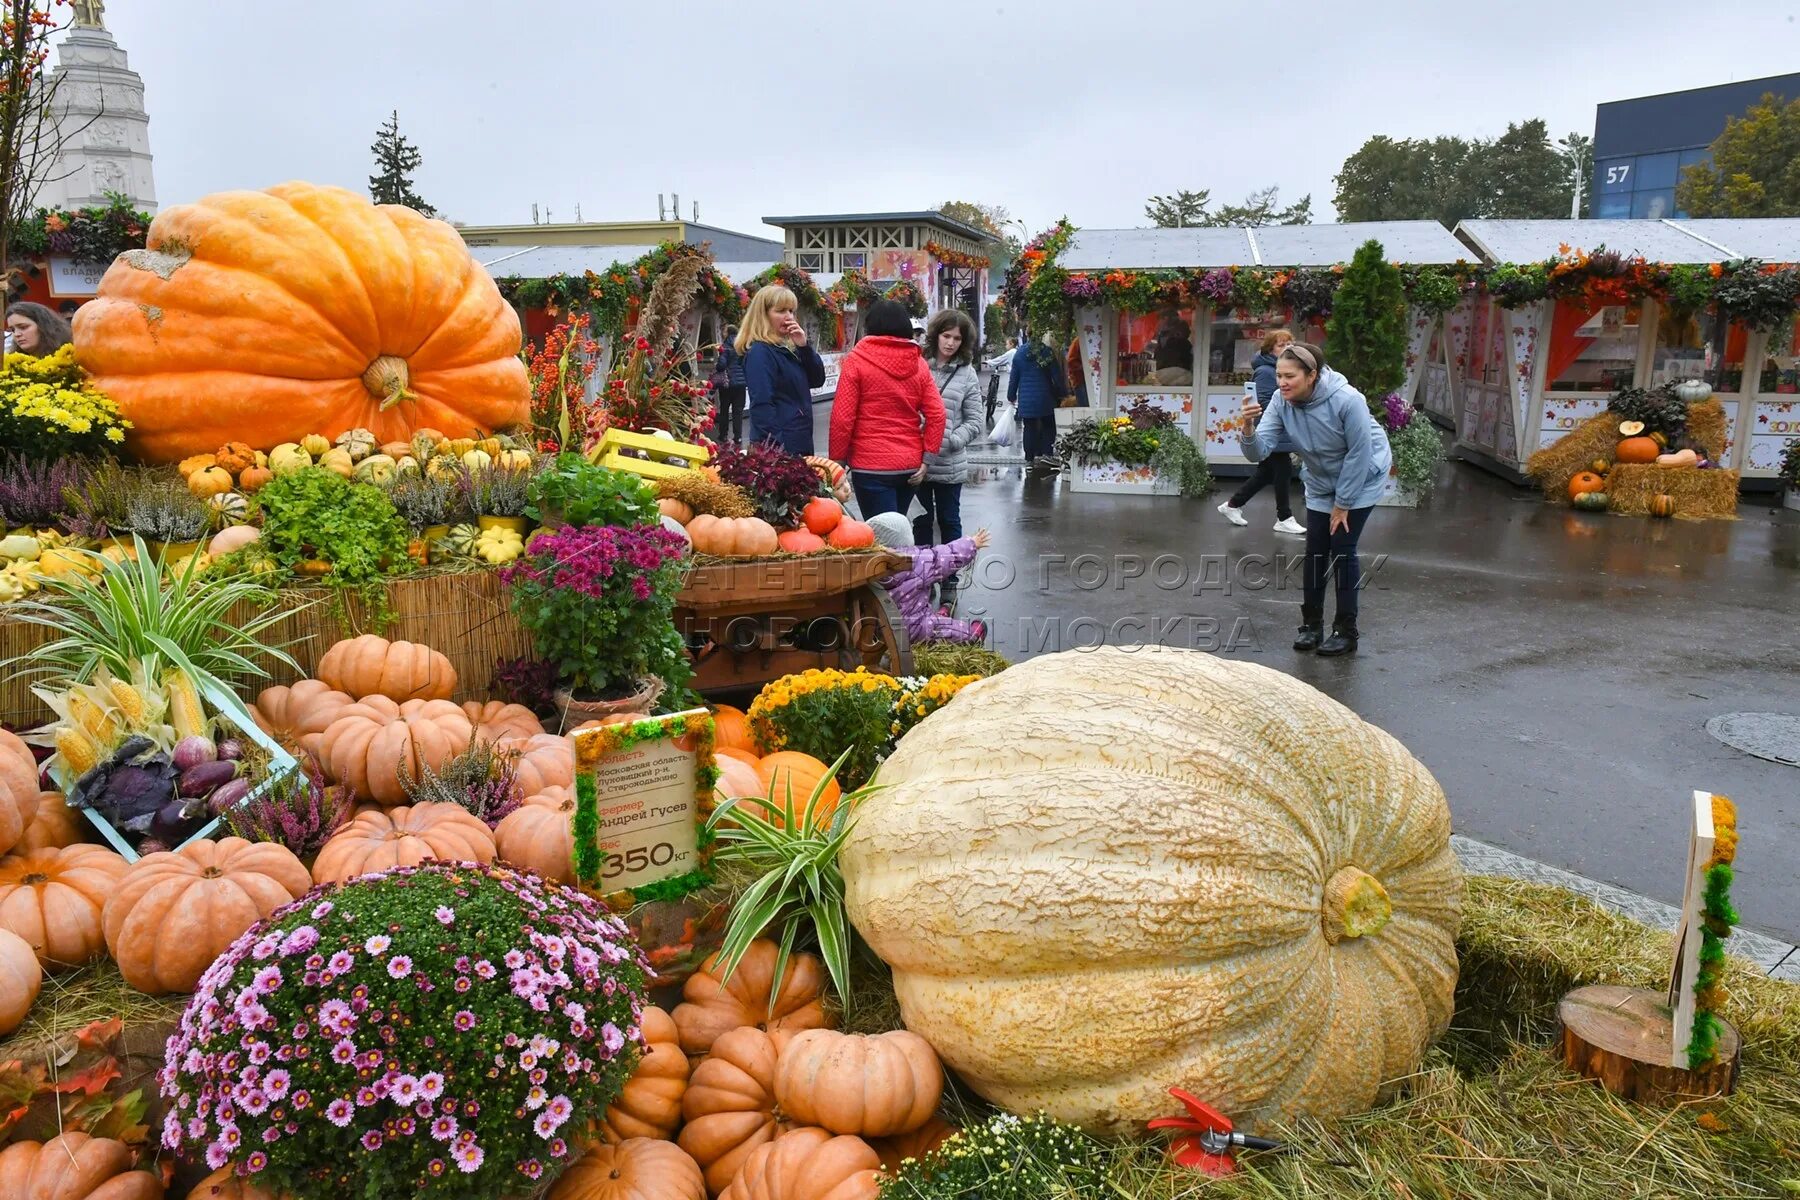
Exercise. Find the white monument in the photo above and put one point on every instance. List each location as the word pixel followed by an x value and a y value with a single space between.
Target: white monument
pixel 100 109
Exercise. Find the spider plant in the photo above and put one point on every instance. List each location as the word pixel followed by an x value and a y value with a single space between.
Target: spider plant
pixel 134 612
pixel 794 856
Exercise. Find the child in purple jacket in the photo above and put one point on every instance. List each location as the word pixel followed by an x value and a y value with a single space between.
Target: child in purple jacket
pixel 911 590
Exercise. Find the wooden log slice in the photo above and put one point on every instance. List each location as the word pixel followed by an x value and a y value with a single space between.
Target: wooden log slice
pixel 1621 1038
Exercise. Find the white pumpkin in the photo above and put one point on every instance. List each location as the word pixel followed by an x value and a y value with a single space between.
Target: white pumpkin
pixel 287 458
pixel 377 469
pixel 477 460
pixel 20 546
pixel 357 443
pixel 1193 872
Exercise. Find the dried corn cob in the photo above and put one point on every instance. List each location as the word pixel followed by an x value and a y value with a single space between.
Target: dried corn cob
pixel 78 750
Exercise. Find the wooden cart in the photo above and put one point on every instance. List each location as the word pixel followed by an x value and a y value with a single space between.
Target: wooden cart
pixel 748 623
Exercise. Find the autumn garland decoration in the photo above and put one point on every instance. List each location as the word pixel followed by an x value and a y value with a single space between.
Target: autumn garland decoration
pixel 957 258
pixel 611 298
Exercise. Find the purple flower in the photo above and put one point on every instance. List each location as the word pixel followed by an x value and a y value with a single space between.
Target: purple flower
pixel 611 1038
pixel 343 1052
pixel 444 1128
pixel 322 909
pixel 468 1157
pixel 463 1021
pixel 276 1085
pixel 399 967
pixel 431 1085
pixel 371 1140
pixel 256 1162
pixel 445 915
pixel 340 1112
pixel 546 1125
pixel 341 962
pixel 485 969
pixel 378 943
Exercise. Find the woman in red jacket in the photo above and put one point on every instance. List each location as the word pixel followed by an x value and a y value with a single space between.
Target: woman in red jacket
pixel 887 415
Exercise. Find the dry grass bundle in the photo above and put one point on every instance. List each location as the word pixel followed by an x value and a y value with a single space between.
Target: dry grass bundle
pixel 956 658
pixel 706 495
pixel 1710 495
pixel 1492 1113
pixel 669 297
pixel 1597 438
pixel 75 1000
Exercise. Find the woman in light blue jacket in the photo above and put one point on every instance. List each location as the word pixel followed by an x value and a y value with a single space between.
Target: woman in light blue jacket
pixel 1347 460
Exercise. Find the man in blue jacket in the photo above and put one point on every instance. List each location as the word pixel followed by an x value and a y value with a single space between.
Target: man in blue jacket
pixel 1036 386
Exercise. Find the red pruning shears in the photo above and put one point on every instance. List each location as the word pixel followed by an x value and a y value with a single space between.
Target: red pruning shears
pixel 1207 1140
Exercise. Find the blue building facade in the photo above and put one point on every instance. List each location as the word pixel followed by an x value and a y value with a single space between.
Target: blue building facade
pixel 1642 145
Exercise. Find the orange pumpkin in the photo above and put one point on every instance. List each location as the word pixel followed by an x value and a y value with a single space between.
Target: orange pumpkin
pixel 1662 506
pixel 681 510
pixel 789 773
pixel 915 1145
pixel 254 479
pixel 299 714
pixel 174 912
pixel 710 1007
pixel 301 309
pixel 736 777
pixel 728 1109
pixel 235 457
pixel 74 1166
pixel 213 481
pixel 639 1169
pixel 371 665
pixel 731 729
pixel 496 720
pixel 851 535
pixel 808 1164
pixel 732 537
pixel 748 757
pixel 539 835
pixel 21 977
pixel 224 1184
pixel 18 789
pixel 799 541
pixel 53 899
pixel 876 1086
pixel 195 462
pixel 546 761
pixel 374 741
pixel 55 826
pixel 1583 482
pixel 382 839
pixel 1636 450
pixel 822 515
pixel 649 1106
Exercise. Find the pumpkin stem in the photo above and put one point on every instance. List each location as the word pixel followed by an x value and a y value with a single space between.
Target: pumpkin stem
pixel 1355 905
pixel 387 379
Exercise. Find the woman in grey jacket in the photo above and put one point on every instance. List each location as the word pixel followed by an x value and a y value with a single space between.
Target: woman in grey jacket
pixel 1347 461
pixel 950 353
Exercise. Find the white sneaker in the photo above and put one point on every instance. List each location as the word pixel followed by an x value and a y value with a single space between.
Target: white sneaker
pixel 1290 526
pixel 1232 514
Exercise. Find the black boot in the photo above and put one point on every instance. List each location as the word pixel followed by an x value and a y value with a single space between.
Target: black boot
pixel 1312 626
pixel 1342 639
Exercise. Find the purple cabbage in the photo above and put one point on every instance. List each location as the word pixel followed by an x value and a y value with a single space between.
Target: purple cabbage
pixel 129 788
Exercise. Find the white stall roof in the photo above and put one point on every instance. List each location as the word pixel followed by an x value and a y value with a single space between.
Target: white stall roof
pixel 541 262
pixel 1270 246
pixel 742 273
pixel 1775 239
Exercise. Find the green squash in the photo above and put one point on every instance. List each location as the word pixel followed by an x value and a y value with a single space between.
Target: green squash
pixel 460 540
pixel 1591 502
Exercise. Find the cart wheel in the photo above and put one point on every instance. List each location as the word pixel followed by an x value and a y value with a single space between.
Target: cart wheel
pixel 880 641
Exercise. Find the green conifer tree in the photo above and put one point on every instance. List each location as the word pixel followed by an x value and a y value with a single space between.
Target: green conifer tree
pixel 1366 335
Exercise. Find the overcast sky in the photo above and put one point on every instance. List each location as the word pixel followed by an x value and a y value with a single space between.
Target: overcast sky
pixel 1050 108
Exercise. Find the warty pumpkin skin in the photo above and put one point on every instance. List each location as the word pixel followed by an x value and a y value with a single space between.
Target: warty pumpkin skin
pixel 53 899
pixel 809 1164
pixel 382 839
pixel 371 742
pixel 18 789
pixel 371 665
pixel 1288 905
pixel 74 1166
pixel 729 1106
pixel 709 1008
pixel 302 309
pixel 174 912
pixel 21 977
pixel 876 1086
pixel 539 835
pixel 639 1169
pixel 299 714
pixel 649 1106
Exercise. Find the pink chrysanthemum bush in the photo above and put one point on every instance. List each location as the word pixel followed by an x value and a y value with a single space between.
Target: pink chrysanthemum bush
pixel 442 1030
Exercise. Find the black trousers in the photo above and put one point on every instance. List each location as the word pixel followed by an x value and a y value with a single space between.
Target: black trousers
pixel 730 424
pixel 1040 436
pixel 1334 554
pixel 1274 470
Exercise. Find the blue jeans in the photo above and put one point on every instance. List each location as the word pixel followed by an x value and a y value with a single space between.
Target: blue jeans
pixel 880 492
pixel 942 502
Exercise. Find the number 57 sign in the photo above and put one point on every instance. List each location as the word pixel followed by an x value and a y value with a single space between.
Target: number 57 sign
pixel 639 802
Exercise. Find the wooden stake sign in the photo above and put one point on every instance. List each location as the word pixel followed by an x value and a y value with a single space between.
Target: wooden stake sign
pixel 1643 1045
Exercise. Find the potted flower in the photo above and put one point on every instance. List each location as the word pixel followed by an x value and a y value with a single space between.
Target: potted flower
pixel 1789 474
pixel 429 505
pixel 597 601
pixel 1417 450
pixel 499 497
pixel 1141 450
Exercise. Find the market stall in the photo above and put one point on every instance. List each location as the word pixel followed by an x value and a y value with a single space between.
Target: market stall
pixel 1170 318
pixel 1571 313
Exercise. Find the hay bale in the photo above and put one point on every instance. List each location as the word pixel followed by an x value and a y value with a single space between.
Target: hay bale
pixel 1709 495
pixel 1598 437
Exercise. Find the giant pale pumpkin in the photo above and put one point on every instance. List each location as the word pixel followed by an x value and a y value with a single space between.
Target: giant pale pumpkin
pixel 266 316
pixel 1270 871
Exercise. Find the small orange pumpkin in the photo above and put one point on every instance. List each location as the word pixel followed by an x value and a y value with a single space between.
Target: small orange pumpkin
pixel 1662 506
pixel 371 665
pixel 800 541
pixel 539 835
pixel 638 1169
pixel 731 729
pixel 681 510
pixel 74 1166
pixel 235 457
pixel 851 534
pixel 254 479
pixel 211 481
pixel 822 515
pixel 1637 450
pixel 649 1105
pixel 195 462
pixel 870 1086
pixel 710 1008
pixel 1585 481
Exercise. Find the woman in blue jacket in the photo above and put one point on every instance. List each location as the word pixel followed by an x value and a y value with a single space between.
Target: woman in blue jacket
pixel 1347 460
pixel 780 371
pixel 1036 386
pixel 730 423
pixel 1274 470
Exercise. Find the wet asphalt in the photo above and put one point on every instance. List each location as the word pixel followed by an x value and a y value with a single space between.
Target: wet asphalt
pixel 1554 670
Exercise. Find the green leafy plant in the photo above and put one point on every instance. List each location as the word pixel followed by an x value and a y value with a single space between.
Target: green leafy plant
pixel 1366 336
pixel 1006 1157
pixel 1760 296
pixel 1417 451
pixel 829 714
pixel 1659 408
pixel 135 611
pixel 315 515
pixel 792 849
pixel 574 491
pixel 1141 436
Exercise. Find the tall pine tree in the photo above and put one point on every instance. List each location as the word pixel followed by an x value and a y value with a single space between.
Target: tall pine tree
pixel 1366 335
pixel 395 161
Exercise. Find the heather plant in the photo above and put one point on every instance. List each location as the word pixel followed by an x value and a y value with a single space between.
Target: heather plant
pixel 436 1031
pixel 482 779
pixel 297 811
pixel 31 489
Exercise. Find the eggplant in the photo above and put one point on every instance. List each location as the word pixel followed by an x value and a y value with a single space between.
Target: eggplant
pixel 203 779
pixel 231 750
pixel 171 823
pixel 228 796
pixel 190 752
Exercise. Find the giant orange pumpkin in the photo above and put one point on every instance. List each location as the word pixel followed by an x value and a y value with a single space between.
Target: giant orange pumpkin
pixel 265 316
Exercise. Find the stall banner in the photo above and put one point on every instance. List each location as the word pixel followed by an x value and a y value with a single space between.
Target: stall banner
pixel 1091 322
pixel 71 278
pixel 1522 329
pixel 1222 424
pixel 1460 324
pixel 831 359
pixel 645 793
pixel 1418 336
pixel 1560 416
pixel 1777 423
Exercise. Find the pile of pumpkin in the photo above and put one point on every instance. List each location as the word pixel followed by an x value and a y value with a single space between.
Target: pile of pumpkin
pixel 747 1093
pixel 31 555
pixel 823 525
pixel 1587 489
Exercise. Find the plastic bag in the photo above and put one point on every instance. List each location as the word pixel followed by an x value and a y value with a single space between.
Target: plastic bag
pixel 1005 428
